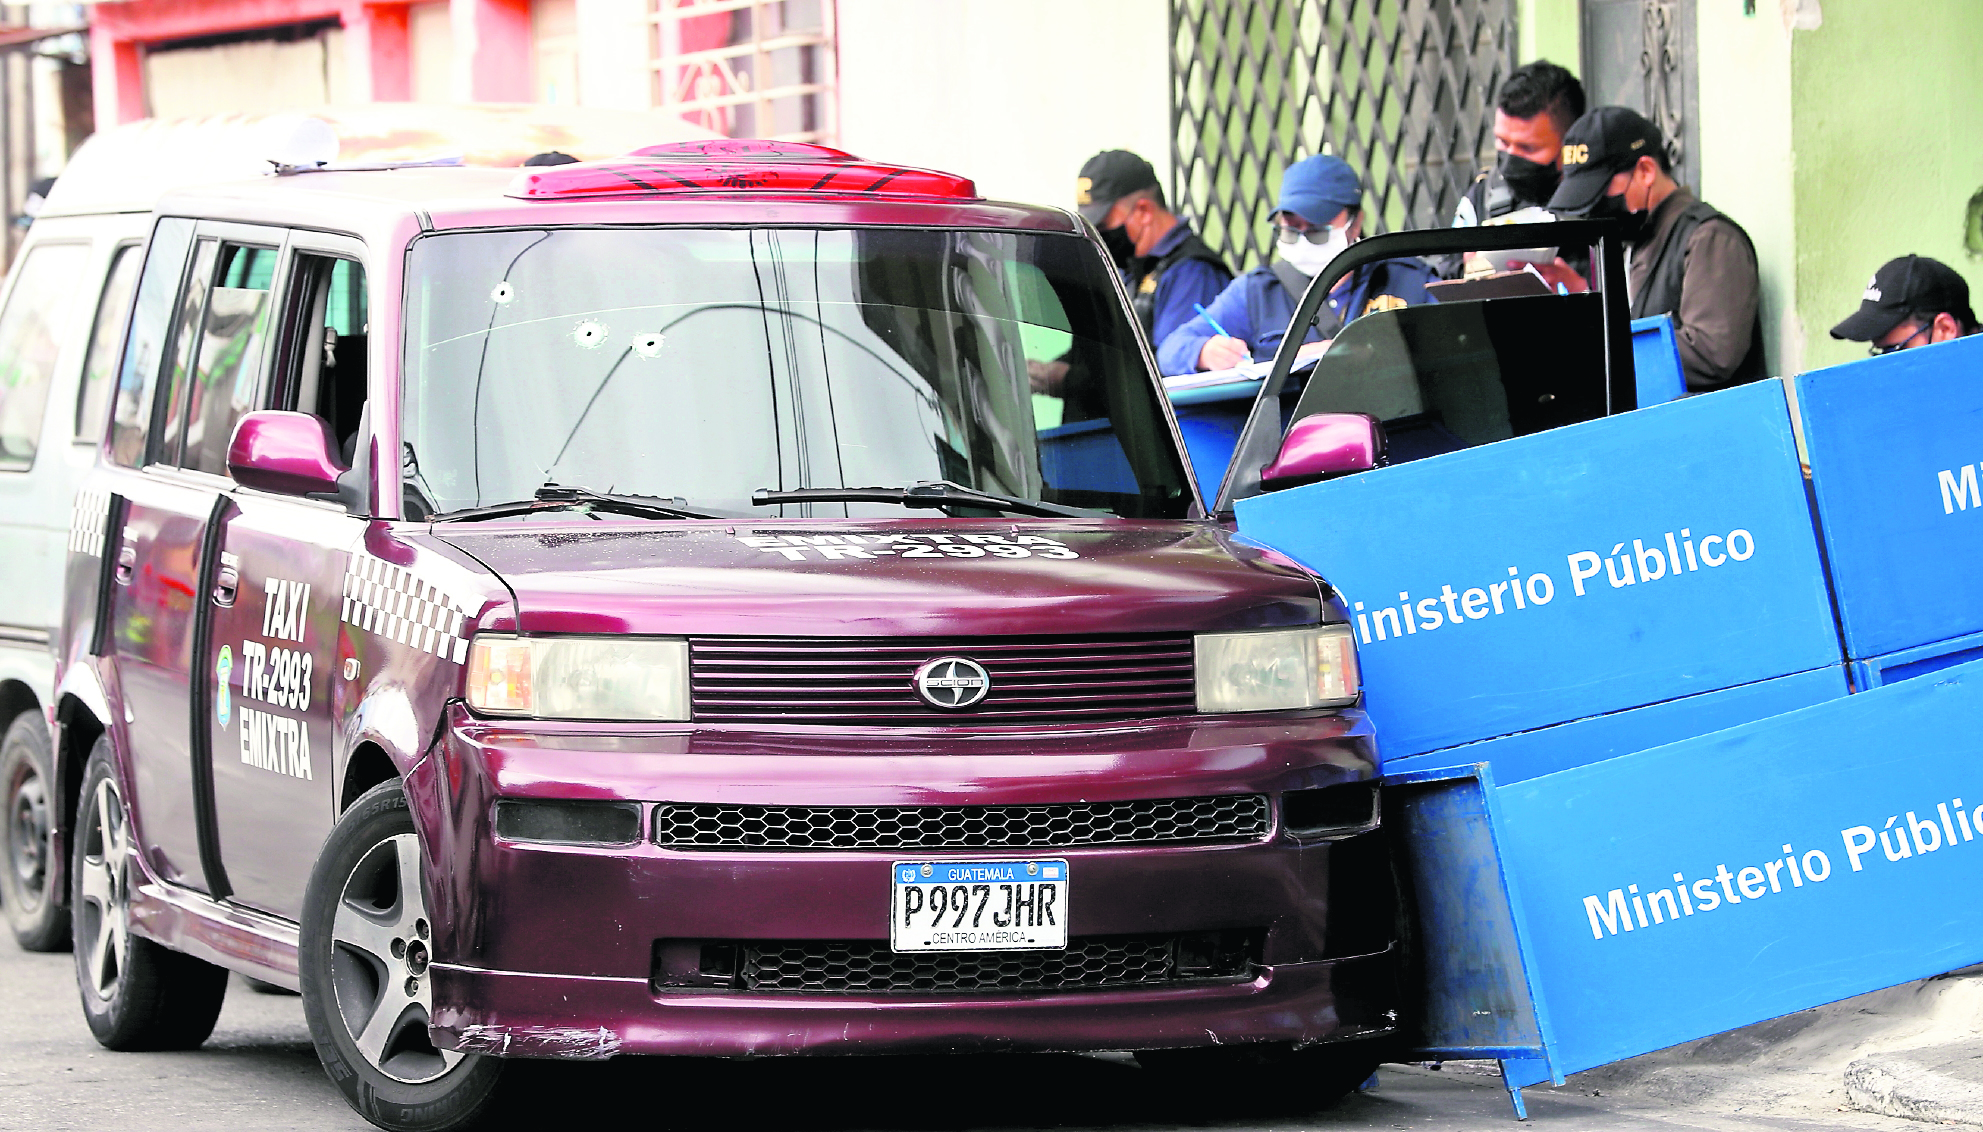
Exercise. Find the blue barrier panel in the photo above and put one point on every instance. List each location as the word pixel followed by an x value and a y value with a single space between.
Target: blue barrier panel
pixel 1209 418
pixel 1656 361
pixel 1917 661
pixel 1531 754
pixel 1592 568
pixel 1473 977
pixel 1743 875
pixel 1086 452
pixel 1893 447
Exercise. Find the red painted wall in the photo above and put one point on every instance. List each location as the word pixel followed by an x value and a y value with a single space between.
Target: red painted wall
pixel 491 41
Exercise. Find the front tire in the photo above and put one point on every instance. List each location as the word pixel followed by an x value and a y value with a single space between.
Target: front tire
pixel 366 944
pixel 37 909
pixel 137 995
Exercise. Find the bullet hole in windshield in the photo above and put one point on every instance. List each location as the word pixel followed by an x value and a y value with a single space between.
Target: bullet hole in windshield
pixel 649 345
pixel 503 292
pixel 590 334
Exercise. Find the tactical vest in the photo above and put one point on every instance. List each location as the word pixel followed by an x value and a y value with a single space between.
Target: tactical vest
pixel 1662 291
pixel 1496 199
pixel 1145 272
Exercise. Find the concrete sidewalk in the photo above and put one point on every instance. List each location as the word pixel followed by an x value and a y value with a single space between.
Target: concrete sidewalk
pixel 1942 1084
pixel 1912 1051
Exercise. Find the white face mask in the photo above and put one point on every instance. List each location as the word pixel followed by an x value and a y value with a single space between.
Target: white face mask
pixel 1309 258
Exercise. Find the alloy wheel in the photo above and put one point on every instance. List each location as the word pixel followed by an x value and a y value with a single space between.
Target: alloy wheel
pixel 381 946
pixel 104 919
pixel 28 826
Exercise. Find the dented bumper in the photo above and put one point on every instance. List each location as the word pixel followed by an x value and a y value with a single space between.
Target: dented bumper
pixel 587 951
pixel 518 1015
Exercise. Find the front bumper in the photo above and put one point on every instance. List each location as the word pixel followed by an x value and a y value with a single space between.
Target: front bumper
pixel 552 950
pixel 519 1015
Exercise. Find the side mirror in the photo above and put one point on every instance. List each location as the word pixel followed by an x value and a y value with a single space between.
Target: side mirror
pixel 1321 445
pixel 288 453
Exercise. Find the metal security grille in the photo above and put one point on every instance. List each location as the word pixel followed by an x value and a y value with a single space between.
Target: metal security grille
pixel 1401 89
pixel 1642 54
pixel 1163 821
pixel 747 68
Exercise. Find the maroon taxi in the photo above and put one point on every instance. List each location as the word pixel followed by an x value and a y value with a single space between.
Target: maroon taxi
pixel 676 605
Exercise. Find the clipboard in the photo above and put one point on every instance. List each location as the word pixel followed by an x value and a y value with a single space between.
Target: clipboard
pixel 1502 285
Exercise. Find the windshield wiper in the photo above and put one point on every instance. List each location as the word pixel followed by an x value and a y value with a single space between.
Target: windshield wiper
pixel 925 493
pixel 556 497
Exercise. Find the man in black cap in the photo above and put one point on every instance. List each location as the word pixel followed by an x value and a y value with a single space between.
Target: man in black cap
pixel 1536 104
pixel 1170 271
pixel 1683 257
pixel 1911 301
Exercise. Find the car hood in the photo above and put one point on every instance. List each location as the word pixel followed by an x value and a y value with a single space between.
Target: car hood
pixel 894 577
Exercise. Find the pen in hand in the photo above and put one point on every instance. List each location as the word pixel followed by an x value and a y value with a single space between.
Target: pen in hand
pixel 1222 332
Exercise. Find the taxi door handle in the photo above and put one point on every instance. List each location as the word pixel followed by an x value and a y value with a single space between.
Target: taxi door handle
pixel 225 585
pixel 127 564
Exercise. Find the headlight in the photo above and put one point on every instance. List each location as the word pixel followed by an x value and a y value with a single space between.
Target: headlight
pixel 1276 670
pixel 579 677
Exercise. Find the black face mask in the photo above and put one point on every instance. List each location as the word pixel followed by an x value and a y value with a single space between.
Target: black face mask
pixel 1532 183
pixel 1121 248
pixel 1636 224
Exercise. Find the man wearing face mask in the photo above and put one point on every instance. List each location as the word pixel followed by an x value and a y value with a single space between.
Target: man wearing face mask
pixel 1536 103
pixel 1318 214
pixel 1169 270
pixel 1682 256
pixel 1911 301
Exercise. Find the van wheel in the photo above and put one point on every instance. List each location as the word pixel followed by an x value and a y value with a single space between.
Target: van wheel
pixel 1274 1076
pixel 366 944
pixel 137 995
pixel 36 910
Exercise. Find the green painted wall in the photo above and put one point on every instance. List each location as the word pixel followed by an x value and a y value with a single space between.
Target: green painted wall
pixel 1552 30
pixel 1887 131
pixel 1743 141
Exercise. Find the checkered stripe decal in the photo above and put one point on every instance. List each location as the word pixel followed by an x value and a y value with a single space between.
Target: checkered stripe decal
pixel 88 516
pixel 399 605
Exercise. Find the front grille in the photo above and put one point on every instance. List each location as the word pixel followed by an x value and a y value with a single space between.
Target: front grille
pixel 869 967
pixel 1059 825
pixel 859 681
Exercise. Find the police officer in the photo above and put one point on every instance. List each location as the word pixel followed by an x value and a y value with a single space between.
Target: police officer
pixel 1683 257
pixel 1170 271
pixel 1911 301
pixel 1318 215
pixel 1537 102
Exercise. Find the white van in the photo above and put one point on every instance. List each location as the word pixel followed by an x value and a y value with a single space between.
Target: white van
pixel 63 312
pixel 61 324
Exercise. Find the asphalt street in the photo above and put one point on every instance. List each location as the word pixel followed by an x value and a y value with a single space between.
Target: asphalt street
pixel 258 1072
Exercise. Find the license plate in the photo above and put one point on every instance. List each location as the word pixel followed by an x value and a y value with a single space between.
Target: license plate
pixel 978 905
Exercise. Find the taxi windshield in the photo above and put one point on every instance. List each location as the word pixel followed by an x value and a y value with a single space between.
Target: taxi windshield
pixel 700 366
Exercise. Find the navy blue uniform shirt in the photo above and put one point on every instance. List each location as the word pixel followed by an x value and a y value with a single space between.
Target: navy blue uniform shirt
pixel 1374 286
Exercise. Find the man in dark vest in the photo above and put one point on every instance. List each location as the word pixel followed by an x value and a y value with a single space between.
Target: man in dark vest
pixel 1683 258
pixel 1537 102
pixel 1170 271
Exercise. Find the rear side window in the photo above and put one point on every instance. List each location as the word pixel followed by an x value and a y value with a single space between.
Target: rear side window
pixel 226 378
pixel 93 399
pixel 38 314
pixel 177 377
pixel 151 319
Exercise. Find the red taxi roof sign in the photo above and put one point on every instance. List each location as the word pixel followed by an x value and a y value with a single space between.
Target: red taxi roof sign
pixel 730 166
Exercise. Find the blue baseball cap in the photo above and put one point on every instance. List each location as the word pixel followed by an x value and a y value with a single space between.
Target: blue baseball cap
pixel 1317 188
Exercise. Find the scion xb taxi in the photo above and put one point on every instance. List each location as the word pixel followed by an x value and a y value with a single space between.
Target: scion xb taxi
pixel 643 607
